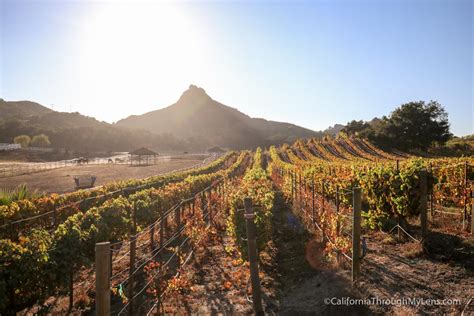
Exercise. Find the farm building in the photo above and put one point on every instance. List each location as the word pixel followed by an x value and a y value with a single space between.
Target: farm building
pixel 143 156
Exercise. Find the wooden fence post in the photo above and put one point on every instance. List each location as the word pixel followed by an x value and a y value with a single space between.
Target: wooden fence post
pixel 102 279
pixel 209 206
pixel 253 257
pixel 131 289
pixel 338 222
pixel 292 185
pixel 356 229
pixel 313 201
pixel 472 211
pixel 464 221
pixel 162 229
pixel 134 218
pixel 177 215
pixel 152 237
pixel 323 194
pixel 71 287
pixel 423 204
pixel 300 191
pixel 55 216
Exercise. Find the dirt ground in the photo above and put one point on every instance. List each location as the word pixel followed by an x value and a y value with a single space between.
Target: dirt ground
pixel 295 279
pixel 298 277
pixel 61 180
pixel 443 270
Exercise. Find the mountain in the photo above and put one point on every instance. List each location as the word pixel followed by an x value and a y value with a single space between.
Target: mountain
pixel 195 122
pixel 21 109
pixel 74 131
pixel 198 118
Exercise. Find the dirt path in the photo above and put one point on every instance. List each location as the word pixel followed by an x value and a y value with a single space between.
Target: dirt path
pixel 61 180
pixel 403 270
pixel 307 279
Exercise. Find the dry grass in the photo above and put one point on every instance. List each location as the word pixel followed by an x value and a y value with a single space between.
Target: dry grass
pixel 61 180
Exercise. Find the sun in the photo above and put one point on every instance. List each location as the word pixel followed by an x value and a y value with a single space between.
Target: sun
pixel 134 47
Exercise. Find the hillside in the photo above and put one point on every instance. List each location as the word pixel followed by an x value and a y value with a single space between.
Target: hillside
pixel 74 131
pixel 199 118
pixel 20 109
pixel 194 122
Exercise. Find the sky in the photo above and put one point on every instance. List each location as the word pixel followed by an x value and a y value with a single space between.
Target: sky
pixel 311 63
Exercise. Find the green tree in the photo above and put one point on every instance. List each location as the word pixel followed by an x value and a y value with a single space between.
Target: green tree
pixel 355 127
pixel 412 126
pixel 23 140
pixel 418 125
pixel 40 140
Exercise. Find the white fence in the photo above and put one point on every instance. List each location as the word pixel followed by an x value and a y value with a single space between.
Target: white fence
pixel 4 146
pixel 27 168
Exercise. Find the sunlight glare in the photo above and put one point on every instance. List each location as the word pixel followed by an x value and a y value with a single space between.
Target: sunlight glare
pixel 138 49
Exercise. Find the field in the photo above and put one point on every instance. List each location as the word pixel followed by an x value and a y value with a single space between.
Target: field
pixel 60 180
pixel 334 218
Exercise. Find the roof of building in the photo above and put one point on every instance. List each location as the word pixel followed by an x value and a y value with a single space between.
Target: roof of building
pixel 143 152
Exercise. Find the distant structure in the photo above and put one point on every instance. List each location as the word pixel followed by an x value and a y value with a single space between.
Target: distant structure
pixel 6 146
pixel 143 156
pixel 216 149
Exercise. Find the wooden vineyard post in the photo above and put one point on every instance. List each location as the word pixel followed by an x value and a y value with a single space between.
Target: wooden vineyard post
pixel 323 226
pixel 303 193
pixel 131 289
pixel 102 279
pixel 313 201
pixel 464 219
pixel 253 257
pixel 178 228
pixel 292 185
pixel 295 185
pixel 423 204
pixel 472 211
pixel 55 216
pixel 162 229
pixel 295 188
pixel 71 287
pixel 323 194
pixel 110 262
pixel 134 218
pixel 398 164
pixel 152 237
pixel 338 222
pixel 356 229
pixel 300 191
pixel 203 205
pixel 432 211
pixel 209 206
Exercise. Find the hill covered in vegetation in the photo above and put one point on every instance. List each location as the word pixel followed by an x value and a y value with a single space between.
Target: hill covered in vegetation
pixel 200 119
pixel 195 122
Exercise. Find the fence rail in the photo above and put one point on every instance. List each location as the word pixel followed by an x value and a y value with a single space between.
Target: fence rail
pixel 13 170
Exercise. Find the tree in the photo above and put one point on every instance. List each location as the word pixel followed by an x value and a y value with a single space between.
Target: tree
pixel 23 140
pixel 40 140
pixel 412 126
pixel 355 127
pixel 418 125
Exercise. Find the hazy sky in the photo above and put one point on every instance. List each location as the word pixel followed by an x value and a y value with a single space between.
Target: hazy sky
pixel 313 63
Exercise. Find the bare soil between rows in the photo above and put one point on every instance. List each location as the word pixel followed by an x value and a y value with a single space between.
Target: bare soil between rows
pixel 298 277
